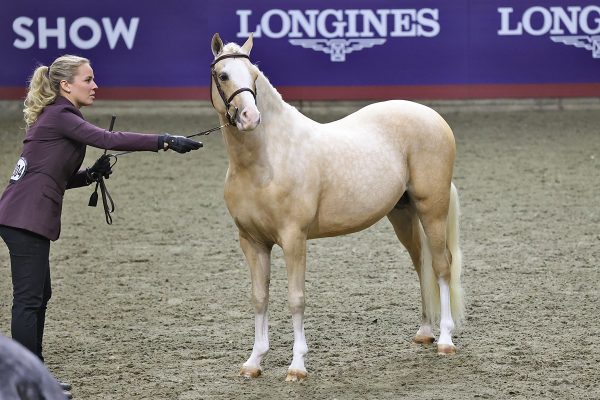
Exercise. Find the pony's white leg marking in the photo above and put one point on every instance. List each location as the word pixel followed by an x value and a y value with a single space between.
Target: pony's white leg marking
pixel 425 334
pixel 297 371
pixel 258 258
pixel 251 367
pixel 295 258
pixel 445 345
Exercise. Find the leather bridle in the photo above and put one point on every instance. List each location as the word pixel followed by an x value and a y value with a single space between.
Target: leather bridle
pixel 227 100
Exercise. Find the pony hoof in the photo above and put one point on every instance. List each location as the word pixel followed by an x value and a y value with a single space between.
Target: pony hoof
pixel 295 375
pixel 248 372
pixel 446 349
pixel 422 339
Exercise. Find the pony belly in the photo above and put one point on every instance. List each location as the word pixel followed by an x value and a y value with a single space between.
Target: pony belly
pixel 352 208
pixel 339 223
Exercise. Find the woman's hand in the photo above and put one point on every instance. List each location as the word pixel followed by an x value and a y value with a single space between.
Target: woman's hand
pixel 180 144
pixel 100 168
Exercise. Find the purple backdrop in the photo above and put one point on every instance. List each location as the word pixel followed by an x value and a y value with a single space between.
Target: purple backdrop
pixel 314 44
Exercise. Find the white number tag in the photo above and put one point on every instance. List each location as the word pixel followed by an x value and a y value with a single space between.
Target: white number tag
pixel 19 171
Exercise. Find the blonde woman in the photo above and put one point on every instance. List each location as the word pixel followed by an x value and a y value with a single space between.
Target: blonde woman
pixel 53 151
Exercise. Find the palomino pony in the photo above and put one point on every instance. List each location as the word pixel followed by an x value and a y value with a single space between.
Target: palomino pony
pixel 291 179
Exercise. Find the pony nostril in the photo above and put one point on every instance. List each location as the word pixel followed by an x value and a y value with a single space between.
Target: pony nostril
pixel 246 115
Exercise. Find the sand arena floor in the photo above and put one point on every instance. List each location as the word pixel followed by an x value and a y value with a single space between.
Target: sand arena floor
pixel 157 306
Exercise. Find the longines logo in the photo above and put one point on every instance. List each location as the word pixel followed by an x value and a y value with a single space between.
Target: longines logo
pixel 340 32
pixel 574 25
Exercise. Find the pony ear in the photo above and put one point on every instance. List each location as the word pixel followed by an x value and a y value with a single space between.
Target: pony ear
pixel 216 44
pixel 247 47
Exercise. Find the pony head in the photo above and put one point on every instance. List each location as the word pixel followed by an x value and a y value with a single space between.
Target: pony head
pixel 233 84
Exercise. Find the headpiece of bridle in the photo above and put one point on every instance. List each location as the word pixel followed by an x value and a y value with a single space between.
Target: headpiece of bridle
pixel 227 100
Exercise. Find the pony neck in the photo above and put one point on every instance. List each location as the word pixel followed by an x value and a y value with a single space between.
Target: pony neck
pixel 269 101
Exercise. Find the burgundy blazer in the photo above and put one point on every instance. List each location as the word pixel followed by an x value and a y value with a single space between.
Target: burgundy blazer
pixel 54 149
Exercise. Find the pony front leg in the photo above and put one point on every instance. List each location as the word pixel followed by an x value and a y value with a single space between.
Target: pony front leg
pixel 258 257
pixel 294 249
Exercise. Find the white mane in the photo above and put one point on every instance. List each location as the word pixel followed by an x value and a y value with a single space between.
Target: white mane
pixel 268 97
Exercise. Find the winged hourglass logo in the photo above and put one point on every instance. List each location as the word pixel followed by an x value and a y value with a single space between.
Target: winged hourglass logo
pixel 591 43
pixel 337 48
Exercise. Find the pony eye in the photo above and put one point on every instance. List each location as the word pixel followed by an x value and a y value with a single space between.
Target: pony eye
pixel 223 77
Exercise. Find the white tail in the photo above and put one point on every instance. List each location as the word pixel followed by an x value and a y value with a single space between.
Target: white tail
pixel 430 288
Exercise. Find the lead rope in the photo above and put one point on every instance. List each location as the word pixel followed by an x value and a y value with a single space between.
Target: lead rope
pixel 190 136
pixel 106 197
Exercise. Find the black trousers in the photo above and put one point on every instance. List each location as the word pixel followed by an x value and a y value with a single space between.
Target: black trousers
pixel 30 267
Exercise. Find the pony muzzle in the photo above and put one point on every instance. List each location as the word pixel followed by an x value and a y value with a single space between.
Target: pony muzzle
pixel 247 119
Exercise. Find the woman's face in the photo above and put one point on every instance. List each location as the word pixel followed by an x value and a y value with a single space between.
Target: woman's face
pixel 81 92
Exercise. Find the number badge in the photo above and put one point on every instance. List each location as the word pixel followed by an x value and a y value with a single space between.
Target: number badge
pixel 19 171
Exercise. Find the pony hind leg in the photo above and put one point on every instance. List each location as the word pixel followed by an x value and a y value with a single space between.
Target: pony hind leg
pixel 406 225
pixel 258 257
pixel 438 213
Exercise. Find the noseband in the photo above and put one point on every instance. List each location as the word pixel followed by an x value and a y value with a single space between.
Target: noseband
pixel 227 100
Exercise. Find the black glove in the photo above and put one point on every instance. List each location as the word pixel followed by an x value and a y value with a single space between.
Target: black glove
pixel 100 168
pixel 180 144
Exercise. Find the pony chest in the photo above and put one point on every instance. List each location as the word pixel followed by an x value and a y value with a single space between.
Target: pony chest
pixel 257 221
pixel 254 208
